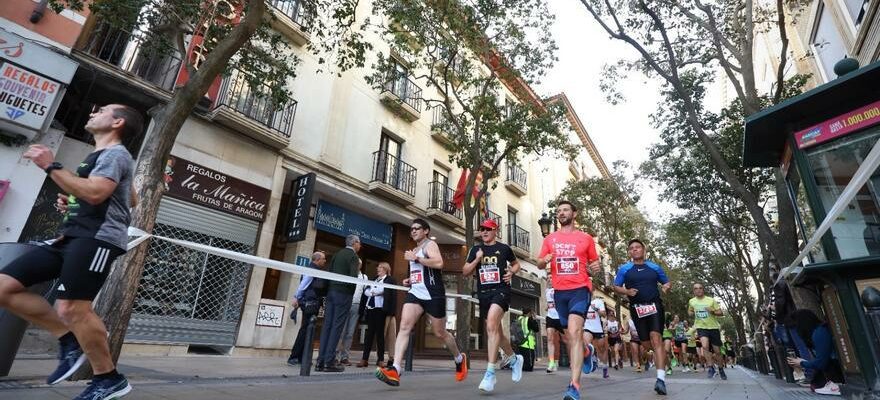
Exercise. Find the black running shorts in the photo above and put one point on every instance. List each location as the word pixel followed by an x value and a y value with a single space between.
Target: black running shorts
pixel 614 340
pixel 435 307
pixel 80 264
pixel 596 335
pixel 714 336
pixel 651 323
pixel 555 324
pixel 692 350
pixel 493 296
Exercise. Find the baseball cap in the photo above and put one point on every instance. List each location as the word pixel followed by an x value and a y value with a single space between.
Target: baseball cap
pixel 489 223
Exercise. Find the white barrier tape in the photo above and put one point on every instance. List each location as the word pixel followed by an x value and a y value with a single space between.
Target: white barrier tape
pixel 866 169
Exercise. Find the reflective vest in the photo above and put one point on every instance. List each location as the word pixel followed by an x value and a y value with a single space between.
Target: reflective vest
pixel 529 343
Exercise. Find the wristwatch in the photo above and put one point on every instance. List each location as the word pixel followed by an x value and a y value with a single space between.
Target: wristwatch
pixel 55 165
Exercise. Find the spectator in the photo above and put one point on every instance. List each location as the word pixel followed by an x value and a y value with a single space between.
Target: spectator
pixel 309 302
pixel 529 326
pixel 338 303
pixel 355 314
pixel 826 369
pixel 784 332
pixel 380 303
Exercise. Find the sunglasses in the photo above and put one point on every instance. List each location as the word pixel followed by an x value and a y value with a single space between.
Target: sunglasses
pixel 416 228
pixel 484 229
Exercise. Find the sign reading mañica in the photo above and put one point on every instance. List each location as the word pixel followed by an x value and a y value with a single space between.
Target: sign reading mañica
pixel 340 221
pixel 192 182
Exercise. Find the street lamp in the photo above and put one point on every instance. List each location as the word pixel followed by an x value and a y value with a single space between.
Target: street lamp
pixel 544 223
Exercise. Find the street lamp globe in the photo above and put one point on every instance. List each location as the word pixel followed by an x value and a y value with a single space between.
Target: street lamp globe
pixel 544 223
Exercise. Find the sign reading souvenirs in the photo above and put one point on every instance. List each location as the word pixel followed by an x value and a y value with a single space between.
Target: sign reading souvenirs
pixel 192 182
pixel 340 221
pixel 300 205
pixel 839 126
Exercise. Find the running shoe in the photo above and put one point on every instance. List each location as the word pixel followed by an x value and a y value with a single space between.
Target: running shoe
pixel 517 367
pixel 105 389
pixel 550 366
pixel 588 366
pixel 639 368
pixel 505 361
pixel 461 369
pixel 668 371
pixel 660 386
pixel 831 389
pixel 488 382
pixel 674 363
pixel 722 374
pixel 389 375
pixel 686 369
pixel 572 393
pixel 711 372
pixel 70 357
pixel 605 372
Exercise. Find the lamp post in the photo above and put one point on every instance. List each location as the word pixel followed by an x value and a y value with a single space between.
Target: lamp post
pixel 544 222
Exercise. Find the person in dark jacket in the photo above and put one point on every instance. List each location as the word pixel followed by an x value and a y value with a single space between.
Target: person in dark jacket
pixel 338 304
pixel 305 293
pixel 380 303
pixel 785 328
pixel 529 327
pixel 824 363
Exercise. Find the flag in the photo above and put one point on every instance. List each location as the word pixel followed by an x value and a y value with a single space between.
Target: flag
pixel 458 197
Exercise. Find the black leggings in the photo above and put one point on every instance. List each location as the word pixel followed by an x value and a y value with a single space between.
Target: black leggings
pixel 375 329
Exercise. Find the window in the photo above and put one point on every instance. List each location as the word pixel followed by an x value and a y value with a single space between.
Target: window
pixel 388 160
pixel 511 216
pixel 442 177
pixel 857 10
pixel 856 231
pixel 400 78
pixel 827 44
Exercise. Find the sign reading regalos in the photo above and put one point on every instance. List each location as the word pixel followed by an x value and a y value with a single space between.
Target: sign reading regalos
pixel 839 126
pixel 340 221
pixel 192 182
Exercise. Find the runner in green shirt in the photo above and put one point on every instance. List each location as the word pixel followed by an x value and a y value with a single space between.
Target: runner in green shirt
pixel 704 309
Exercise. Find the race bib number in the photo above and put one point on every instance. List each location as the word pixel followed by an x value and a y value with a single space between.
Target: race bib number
pixel 644 310
pixel 567 266
pixel 702 314
pixel 490 275
pixel 551 305
pixel 591 314
pixel 613 329
pixel 415 277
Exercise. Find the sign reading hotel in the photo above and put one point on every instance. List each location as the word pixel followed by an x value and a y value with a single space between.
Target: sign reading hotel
pixel 300 206
pixel 194 183
pixel 839 126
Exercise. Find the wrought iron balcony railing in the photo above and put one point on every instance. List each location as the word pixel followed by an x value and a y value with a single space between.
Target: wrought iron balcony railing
pixel 405 89
pixel 518 237
pixel 440 198
pixel 294 10
pixel 391 171
pixel 150 58
pixel 517 175
pixel 237 94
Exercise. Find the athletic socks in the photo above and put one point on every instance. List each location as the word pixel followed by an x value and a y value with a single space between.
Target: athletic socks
pixel 459 358
pixel 108 375
pixel 661 374
pixel 397 367
pixel 491 367
pixel 67 339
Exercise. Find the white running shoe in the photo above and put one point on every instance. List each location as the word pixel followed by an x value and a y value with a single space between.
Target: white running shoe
pixel 488 382
pixel 830 389
pixel 517 365
pixel 686 369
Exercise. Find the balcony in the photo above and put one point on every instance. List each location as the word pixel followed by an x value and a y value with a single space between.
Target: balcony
pixel 291 20
pixel 240 107
pixel 152 60
pixel 393 178
pixel 440 205
pixel 438 126
pixel 403 97
pixel 478 218
pixel 519 240
pixel 516 180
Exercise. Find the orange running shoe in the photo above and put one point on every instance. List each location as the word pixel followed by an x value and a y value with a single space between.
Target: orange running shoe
pixel 461 369
pixel 388 375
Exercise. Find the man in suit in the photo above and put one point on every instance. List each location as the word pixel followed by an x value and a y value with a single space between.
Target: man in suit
pixel 338 303
pixel 380 304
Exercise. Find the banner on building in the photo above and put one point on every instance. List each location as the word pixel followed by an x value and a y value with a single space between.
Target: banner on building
pixel 204 186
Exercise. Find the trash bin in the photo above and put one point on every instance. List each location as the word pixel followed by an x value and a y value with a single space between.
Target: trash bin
pixel 12 328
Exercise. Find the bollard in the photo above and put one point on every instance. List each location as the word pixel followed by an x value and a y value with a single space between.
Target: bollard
pixel 12 328
pixel 305 369
pixel 408 366
pixel 871 301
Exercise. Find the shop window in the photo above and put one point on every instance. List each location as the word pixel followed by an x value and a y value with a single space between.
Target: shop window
pixel 827 44
pixel 807 223
pixel 856 231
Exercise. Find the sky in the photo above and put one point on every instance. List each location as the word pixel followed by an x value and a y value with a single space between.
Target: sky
pixel 620 132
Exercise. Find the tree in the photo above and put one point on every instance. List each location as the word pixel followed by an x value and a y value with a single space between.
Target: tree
pixel 463 52
pixel 234 34
pixel 680 42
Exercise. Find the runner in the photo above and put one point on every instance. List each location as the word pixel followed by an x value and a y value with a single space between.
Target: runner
pixel 667 342
pixel 680 329
pixel 497 267
pixel 692 344
pixel 635 346
pixel 554 332
pixel 705 309
pixel 593 331
pixel 93 234
pixel 612 326
pixel 569 252
pixel 426 296
pixel 638 280
pixel 728 352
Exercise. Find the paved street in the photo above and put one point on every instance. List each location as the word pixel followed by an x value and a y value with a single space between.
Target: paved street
pixel 223 378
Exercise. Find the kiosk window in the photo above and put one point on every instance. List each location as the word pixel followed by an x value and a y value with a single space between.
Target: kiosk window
pixel 857 230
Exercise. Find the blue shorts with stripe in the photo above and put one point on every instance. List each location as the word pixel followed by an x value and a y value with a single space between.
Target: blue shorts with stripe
pixel 571 302
pixel 80 264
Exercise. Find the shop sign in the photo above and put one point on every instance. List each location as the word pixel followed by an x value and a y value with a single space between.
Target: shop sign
pixel 525 286
pixel 201 185
pixel 270 315
pixel 840 331
pixel 32 81
pixel 839 126
pixel 343 222
pixel 300 205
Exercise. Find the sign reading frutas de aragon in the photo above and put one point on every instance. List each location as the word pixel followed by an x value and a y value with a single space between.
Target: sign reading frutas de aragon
pixel 194 183
pixel 32 82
